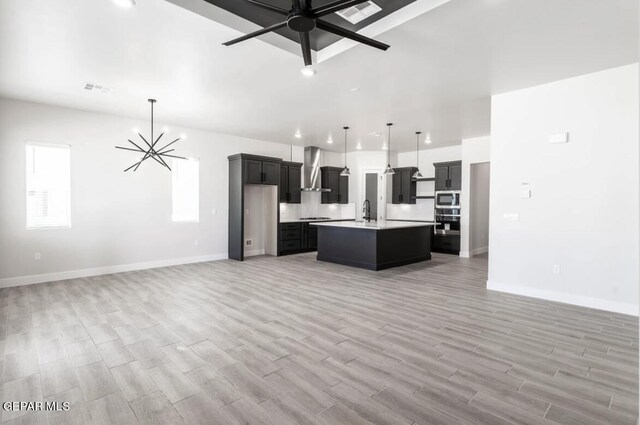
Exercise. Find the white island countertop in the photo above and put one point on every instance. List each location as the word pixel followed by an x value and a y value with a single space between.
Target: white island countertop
pixel 375 225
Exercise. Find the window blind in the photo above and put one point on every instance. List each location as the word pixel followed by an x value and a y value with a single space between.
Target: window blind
pixel 185 190
pixel 48 185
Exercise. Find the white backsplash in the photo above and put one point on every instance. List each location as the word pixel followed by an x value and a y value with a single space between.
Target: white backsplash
pixel 421 210
pixel 311 207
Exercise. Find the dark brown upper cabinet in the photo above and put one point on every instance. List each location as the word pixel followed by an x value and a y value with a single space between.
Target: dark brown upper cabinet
pixel 448 175
pixel 290 182
pixel 330 178
pixel 259 171
pixel 403 187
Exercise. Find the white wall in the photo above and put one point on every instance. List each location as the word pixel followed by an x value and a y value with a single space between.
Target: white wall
pixel 120 220
pixel 473 151
pixel 479 208
pixel 583 213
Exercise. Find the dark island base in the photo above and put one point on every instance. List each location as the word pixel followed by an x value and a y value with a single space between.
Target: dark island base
pixel 374 249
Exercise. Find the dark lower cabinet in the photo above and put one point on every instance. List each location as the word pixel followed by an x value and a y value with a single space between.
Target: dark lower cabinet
pixel 446 244
pixel 297 237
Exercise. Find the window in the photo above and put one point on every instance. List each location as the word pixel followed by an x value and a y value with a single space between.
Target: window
pixel 48 186
pixel 186 190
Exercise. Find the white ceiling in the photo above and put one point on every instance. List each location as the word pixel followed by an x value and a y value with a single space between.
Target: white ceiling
pixel 437 76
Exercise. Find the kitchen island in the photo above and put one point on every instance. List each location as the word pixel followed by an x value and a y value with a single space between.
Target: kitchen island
pixel 374 245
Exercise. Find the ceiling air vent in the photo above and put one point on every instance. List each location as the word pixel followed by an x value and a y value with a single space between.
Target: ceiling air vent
pixel 97 88
pixel 359 12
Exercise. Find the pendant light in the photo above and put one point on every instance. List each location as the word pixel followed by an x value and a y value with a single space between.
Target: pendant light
pixel 345 172
pixel 389 170
pixel 417 174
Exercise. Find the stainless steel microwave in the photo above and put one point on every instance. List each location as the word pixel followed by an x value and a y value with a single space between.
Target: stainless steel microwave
pixel 448 199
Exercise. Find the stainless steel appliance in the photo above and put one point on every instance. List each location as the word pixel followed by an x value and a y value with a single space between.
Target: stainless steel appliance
pixel 448 220
pixel 448 199
pixel 312 161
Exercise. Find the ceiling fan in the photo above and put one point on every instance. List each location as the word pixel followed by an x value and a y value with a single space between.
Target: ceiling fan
pixel 303 18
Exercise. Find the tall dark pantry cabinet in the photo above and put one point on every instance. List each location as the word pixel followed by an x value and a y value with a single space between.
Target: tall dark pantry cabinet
pixel 245 169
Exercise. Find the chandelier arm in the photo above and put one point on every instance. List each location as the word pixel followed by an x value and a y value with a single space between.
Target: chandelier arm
pixel 167 145
pixel 129 149
pixel 145 140
pixel 159 137
pixel 134 144
pixel 131 167
pixel 160 158
pixel 172 156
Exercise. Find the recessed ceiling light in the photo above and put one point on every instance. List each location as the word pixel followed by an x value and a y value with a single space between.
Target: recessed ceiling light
pixel 375 133
pixel 297 135
pixel 135 130
pixel 354 89
pixel 308 71
pixel 125 3
pixel 183 136
pixel 330 140
pixel 384 147
pixel 359 146
pixel 428 140
pixel 165 129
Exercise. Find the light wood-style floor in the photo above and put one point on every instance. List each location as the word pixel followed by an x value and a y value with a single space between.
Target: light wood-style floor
pixel 292 341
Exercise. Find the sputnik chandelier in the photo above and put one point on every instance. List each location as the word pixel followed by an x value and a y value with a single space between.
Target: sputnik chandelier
pixel 151 151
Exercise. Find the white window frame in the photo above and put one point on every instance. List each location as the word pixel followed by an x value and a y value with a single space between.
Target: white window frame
pixel 66 147
pixel 175 170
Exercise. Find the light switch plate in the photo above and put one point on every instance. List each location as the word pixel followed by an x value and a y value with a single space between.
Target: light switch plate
pixel 559 138
pixel 511 216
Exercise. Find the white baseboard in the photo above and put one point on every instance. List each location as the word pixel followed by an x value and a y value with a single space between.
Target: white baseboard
pixel 97 271
pixel 481 250
pixel 254 252
pixel 580 300
pixel 474 252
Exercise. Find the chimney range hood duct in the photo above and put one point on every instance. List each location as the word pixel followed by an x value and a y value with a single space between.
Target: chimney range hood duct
pixel 312 163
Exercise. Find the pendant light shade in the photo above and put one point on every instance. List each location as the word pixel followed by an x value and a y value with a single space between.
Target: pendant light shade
pixel 345 172
pixel 417 174
pixel 389 170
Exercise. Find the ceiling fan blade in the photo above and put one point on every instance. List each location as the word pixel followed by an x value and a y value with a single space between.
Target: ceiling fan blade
pixel 256 33
pixel 334 29
pixel 335 6
pixel 306 48
pixel 266 6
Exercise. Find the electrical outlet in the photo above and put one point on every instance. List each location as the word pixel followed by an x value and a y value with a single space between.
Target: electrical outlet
pixel 556 269
pixel 37 256
pixel 249 242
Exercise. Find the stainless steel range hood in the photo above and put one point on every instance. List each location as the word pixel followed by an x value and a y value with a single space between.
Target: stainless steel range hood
pixel 312 163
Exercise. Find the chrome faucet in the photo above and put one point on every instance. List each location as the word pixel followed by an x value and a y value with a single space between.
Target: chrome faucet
pixel 366 210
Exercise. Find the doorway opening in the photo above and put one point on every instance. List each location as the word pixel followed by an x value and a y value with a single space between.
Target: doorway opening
pixel 479 209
